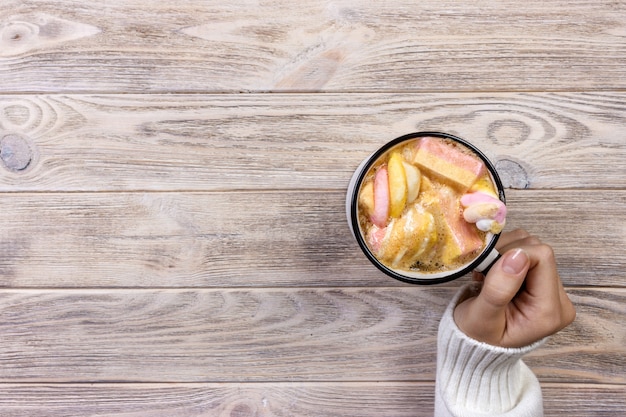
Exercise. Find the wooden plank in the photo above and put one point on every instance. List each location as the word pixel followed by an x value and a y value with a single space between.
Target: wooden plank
pixel 218 335
pixel 228 400
pixel 393 399
pixel 262 239
pixel 279 335
pixel 200 46
pixel 167 143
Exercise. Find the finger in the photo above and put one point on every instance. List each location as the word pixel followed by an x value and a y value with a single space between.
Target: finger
pixel 477 276
pixel 568 310
pixel 521 243
pixel 503 282
pixel 544 285
pixel 543 279
pixel 507 238
pixel 507 241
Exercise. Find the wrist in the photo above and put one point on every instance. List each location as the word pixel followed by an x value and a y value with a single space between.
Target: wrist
pixel 473 375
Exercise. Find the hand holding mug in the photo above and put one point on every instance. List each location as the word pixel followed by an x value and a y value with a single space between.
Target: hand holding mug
pixel 522 299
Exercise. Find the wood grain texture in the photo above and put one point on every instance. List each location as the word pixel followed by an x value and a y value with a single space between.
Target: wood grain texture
pixel 272 335
pixel 348 45
pixel 263 239
pixel 383 399
pixel 223 400
pixel 222 142
pixel 172 182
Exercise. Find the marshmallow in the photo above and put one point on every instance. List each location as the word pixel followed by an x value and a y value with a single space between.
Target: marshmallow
pixel 448 162
pixel 488 212
pixel 405 239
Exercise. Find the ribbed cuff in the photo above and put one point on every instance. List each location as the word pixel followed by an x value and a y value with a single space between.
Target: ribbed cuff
pixel 477 379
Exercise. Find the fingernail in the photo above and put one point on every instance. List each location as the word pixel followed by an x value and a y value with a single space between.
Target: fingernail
pixel 514 262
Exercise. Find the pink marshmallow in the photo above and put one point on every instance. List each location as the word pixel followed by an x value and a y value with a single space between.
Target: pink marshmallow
pixel 381 198
pixel 482 198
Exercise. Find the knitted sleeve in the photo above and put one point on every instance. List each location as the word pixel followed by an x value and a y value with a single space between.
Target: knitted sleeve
pixel 476 379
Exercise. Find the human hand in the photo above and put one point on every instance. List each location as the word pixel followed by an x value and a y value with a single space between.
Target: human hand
pixel 522 299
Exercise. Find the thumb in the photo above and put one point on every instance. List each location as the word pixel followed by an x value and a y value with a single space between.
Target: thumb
pixel 503 281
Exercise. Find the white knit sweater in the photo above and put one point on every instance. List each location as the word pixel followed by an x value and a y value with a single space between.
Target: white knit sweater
pixel 476 379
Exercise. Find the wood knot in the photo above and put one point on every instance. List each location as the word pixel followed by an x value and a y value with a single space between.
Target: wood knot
pixel 15 152
pixel 27 32
pixel 512 174
pixel 17 32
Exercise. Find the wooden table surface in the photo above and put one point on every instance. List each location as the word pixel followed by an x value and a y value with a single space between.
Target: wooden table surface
pixel 173 240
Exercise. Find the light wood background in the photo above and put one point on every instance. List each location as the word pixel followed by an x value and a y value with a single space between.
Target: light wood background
pixel 172 179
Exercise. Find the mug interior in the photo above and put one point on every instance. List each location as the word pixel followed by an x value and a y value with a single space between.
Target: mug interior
pixel 415 277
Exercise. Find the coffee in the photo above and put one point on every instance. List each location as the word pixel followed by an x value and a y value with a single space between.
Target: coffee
pixel 429 205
